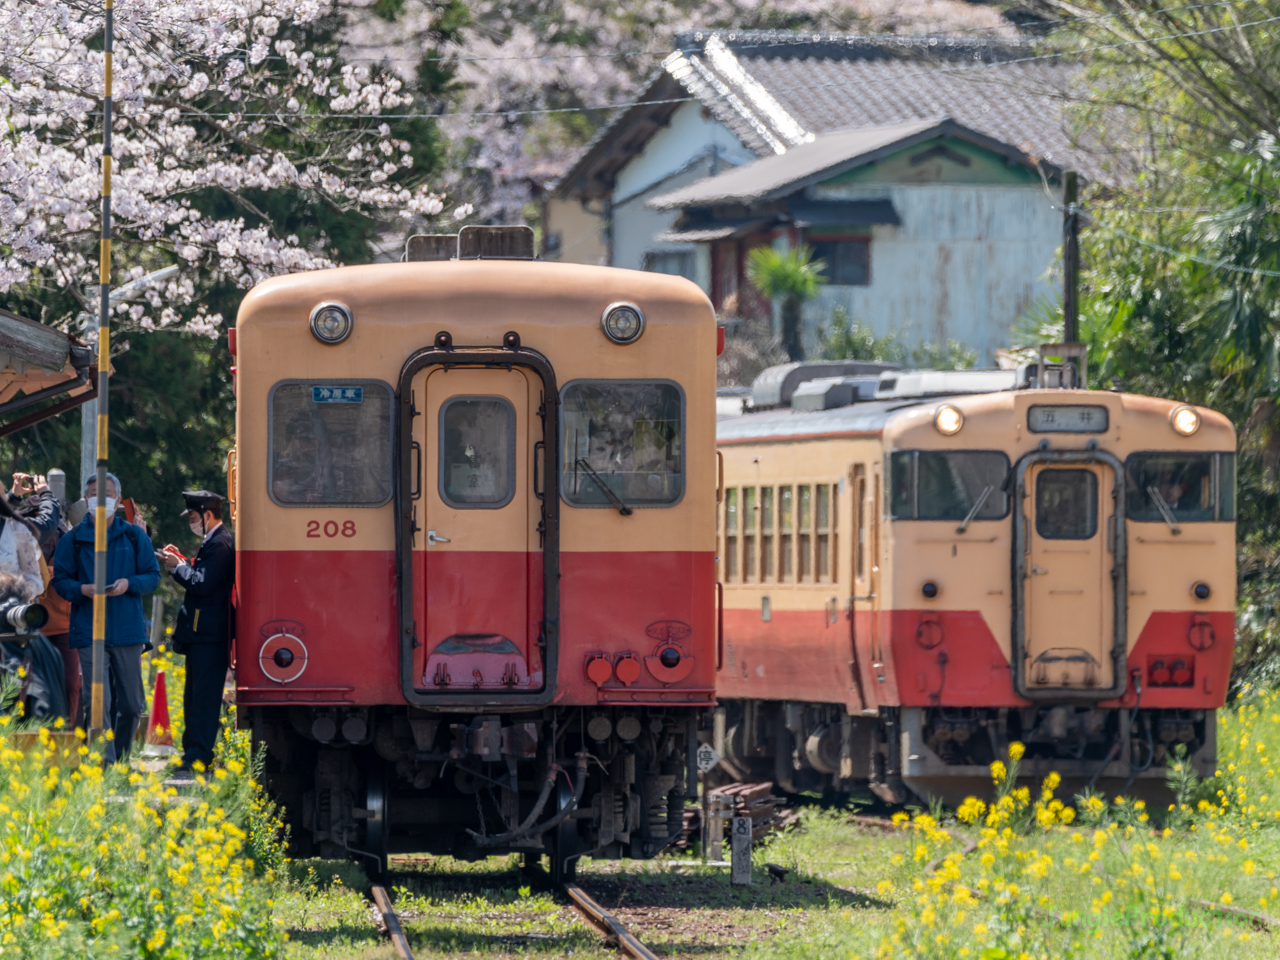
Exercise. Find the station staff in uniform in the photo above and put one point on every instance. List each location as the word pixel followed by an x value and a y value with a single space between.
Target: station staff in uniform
pixel 203 630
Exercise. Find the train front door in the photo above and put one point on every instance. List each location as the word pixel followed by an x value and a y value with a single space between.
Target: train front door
pixel 479 592
pixel 1068 590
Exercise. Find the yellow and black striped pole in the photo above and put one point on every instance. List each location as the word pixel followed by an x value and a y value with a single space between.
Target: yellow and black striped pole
pixel 96 719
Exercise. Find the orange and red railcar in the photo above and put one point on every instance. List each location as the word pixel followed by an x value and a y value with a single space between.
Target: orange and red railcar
pixel 915 580
pixel 473 502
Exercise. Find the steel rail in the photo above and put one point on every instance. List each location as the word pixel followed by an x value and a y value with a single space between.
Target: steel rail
pixel 383 903
pixel 606 922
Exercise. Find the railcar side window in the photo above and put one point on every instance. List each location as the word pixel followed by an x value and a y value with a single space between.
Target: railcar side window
pixel 1193 486
pixel 947 485
pixel 477 452
pixel 330 443
pixel 623 435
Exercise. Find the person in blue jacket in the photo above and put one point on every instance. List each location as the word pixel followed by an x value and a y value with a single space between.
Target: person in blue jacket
pixel 132 571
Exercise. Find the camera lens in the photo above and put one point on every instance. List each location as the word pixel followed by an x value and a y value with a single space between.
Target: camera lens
pixel 26 616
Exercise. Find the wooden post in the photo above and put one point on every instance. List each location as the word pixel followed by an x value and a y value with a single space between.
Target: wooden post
pixel 740 842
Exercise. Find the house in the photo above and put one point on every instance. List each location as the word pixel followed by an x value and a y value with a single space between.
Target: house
pixel 924 171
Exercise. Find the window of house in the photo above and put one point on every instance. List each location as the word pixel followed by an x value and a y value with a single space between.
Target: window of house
pixel 678 263
pixel 330 443
pixel 845 262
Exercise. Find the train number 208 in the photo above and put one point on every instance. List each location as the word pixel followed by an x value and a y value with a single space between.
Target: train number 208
pixel 331 529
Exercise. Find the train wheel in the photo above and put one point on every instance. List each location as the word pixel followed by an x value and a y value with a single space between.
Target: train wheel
pixel 376 825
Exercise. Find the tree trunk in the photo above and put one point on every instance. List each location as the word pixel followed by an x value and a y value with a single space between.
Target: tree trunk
pixel 791 341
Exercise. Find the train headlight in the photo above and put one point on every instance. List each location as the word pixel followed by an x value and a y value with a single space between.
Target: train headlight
pixel 1185 421
pixel 622 322
pixel 331 323
pixel 948 420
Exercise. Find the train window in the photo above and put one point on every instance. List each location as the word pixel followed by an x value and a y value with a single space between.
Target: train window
pixel 766 533
pixel 822 533
pixel 1226 485
pixel 948 485
pixel 626 434
pixel 1067 504
pixel 477 452
pixel 860 514
pixel 731 533
pixel 330 443
pixel 1184 483
pixel 786 515
pixel 748 534
pixel 804 544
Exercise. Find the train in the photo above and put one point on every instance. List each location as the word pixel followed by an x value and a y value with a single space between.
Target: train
pixel 920 568
pixel 473 495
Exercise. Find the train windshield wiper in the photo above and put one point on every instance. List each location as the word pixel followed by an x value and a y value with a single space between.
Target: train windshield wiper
pixel 1163 507
pixel 973 511
pixel 604 488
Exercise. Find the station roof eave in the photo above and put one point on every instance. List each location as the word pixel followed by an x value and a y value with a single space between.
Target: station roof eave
pixel 38 363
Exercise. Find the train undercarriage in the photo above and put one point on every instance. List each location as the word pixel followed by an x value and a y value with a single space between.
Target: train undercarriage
pixel 905 753
pixel 368 782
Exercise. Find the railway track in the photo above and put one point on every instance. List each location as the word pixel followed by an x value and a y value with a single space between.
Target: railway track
pixel 615 932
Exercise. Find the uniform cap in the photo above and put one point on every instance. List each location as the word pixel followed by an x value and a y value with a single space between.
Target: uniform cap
pixel 200 500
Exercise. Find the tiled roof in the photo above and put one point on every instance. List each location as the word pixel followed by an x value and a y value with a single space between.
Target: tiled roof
pixel 778 90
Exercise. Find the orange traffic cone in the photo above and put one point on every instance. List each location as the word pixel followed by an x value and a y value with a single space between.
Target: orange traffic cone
pixel 159 740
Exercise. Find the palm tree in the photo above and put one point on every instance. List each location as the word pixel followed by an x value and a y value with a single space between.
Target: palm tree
pixel 793 277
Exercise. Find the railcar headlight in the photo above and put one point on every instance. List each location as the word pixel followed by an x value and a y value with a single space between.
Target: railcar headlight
pixel 331 323
pixel 948 420
pixel 622 322
pixel 1185 421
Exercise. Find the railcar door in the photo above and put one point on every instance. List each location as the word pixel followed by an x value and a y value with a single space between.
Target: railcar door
pixel 1068 589
pixel 477 547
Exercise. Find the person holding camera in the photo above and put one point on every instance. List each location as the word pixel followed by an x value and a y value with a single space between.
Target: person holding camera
pixel 132 572
pixel 203 628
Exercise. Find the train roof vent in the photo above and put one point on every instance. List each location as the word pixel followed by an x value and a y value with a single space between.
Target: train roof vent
pixel 497 243
pixel 941 383
pixel 775 385
pixel 828 392
pixel 431 246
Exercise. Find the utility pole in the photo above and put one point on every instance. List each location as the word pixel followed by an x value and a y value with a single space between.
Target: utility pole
pixel 1070 255
pixel 96 718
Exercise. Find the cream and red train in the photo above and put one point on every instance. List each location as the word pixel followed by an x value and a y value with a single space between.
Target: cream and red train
pixel 913 581
pixel 473 501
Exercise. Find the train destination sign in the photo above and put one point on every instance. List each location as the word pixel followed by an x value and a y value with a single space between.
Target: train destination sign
pixel 1067 418
pixel 338 393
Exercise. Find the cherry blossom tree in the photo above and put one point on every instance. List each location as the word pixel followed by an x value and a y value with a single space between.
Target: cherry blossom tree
pixel 220 109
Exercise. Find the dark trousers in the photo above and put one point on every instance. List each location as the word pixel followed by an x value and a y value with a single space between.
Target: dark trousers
pixel 123 699
pixel 70 675
pixel 202 700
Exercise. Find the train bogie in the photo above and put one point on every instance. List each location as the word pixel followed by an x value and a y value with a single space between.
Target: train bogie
pixel 964 563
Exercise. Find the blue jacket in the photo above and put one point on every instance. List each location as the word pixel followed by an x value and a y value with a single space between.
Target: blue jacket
pixel 129 554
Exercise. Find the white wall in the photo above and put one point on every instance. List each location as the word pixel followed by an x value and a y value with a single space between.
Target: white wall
pixel 963 265
pixel 691 147
pixel 689 134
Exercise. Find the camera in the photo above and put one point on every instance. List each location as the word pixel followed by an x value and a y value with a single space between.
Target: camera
pixel 17 619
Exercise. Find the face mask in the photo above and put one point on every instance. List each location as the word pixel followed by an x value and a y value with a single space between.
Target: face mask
pixel 93 504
